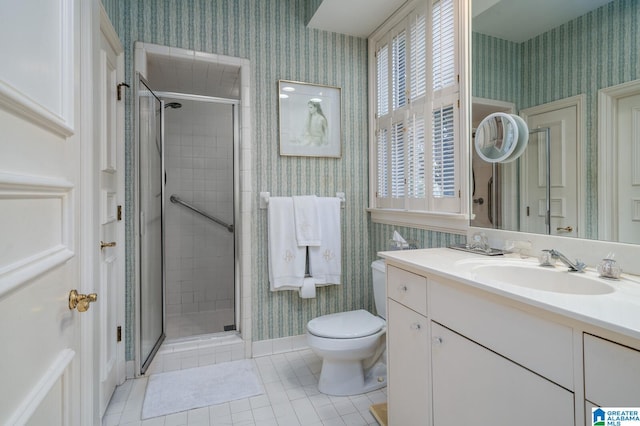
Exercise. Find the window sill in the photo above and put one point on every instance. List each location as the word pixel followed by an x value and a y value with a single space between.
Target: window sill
pixel 453 223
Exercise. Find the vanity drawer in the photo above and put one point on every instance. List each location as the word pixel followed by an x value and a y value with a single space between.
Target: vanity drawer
pixel 611 373
pixel 407 288
pixel 538 344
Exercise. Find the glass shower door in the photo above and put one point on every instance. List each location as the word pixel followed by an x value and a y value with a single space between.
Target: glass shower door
pixel 150 199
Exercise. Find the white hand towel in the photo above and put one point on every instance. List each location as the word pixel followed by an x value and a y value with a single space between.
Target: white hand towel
pixel 286 258
pixel 325 260
pixel 305 213
pixel 308 289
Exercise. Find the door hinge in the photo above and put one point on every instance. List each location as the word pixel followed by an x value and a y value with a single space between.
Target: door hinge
pixel 527 210
pixel 458 77
pixel 119 213
pixel 119 334
pixel 458 103
pixel 459 196
pixel 120 89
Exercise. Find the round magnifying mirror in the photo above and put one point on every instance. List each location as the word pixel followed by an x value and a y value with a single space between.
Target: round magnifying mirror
pixel 496 137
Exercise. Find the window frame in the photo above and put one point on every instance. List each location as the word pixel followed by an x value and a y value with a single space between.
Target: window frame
pixel 432 216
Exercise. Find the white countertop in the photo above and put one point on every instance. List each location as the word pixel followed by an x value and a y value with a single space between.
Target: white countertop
pixel 617 311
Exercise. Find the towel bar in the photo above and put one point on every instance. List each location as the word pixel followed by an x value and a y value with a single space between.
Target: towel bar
pixel 264 199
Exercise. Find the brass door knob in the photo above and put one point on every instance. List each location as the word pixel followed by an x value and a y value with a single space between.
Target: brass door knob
pixel 103 244
pixel 81 301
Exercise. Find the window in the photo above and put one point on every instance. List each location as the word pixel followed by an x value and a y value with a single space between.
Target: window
pixel 416 112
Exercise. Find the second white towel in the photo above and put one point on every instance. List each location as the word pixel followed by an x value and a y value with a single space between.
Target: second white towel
pixel 325 260
pixel 305 214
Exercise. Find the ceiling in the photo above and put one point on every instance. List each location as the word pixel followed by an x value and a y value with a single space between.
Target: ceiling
pixel 521 20
pixel 358 18
pixel 171 74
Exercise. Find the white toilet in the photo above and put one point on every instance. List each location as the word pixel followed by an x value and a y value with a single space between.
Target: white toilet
pixel 351 344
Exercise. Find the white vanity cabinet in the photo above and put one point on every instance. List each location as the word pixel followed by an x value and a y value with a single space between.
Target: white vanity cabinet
pixel 465 350
pixel 408 348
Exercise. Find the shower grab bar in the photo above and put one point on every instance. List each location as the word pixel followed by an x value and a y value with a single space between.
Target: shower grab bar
pixel 174 199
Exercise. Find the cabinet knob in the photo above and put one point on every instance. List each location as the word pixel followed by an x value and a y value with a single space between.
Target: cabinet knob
pixel 403 288
pixel 415 326
pixel 437 340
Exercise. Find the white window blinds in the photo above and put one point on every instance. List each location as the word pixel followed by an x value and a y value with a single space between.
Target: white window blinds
pixel 418 57
pixel 416 112
pixel 397 160
pixel 415 159
pixel 443 151
pixel 399 71
pixel 383 164
pixel 382 81
pixel 443 44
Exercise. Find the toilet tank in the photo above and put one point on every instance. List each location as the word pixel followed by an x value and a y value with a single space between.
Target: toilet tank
pixel 379 274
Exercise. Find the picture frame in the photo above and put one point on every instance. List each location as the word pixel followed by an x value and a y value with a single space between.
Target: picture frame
pixel 309 119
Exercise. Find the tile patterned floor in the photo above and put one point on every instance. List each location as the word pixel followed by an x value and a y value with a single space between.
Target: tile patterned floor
pixel 291 398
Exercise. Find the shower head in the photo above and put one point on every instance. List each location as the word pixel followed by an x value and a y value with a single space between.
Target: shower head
pixel 174 105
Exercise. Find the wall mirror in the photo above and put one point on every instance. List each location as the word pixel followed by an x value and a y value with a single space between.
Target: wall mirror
pixel 571 71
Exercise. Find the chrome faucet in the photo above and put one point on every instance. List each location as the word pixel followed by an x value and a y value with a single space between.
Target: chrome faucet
pixel 573 267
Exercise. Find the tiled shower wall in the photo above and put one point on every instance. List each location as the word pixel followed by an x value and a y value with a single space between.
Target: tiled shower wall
pixel 199 253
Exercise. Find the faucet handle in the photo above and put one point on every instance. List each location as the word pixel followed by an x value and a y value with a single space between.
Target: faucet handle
pixel 546 259
pixel 608 268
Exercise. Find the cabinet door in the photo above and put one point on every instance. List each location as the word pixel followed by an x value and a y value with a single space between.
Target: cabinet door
pixel 473 385
pixel 407 356
pixel 611 373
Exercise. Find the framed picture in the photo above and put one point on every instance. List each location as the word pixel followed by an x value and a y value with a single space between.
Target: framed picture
pixel 309 119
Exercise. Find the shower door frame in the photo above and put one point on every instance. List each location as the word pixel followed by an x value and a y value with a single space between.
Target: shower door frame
pixel 142 365
pixel 235 103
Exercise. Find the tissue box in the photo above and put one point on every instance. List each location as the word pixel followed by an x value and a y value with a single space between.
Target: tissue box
pixel 397 245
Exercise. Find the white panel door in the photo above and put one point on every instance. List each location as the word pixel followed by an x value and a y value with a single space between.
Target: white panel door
pixel 110 357
pixel 563 125
pixel 629 169
pixel 41 213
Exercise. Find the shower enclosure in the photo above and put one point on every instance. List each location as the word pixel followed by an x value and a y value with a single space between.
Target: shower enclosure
pixel 187 259
pixel 199 207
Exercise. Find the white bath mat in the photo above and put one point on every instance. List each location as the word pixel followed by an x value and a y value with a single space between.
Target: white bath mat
pixel 183 390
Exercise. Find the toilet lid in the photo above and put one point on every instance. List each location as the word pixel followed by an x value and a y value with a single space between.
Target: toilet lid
pixel 346 325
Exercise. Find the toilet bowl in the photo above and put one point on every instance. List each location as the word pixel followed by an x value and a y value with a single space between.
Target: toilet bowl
pixel 351 345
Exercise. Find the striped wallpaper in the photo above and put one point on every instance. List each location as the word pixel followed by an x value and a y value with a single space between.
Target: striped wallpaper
pixel 594 51
pixel 273 36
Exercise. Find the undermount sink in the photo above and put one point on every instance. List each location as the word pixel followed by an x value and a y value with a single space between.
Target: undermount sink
pixel 556 280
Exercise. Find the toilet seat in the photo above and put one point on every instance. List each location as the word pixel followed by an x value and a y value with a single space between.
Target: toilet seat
pixel 346 325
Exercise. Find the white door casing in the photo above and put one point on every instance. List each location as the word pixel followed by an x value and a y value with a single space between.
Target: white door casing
pixel 46 122
pixel 110 200
pixel 565 120
pixel 628 205
pixel 619 163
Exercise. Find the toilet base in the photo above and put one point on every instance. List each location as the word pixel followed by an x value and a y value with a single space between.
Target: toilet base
pixel 343 378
